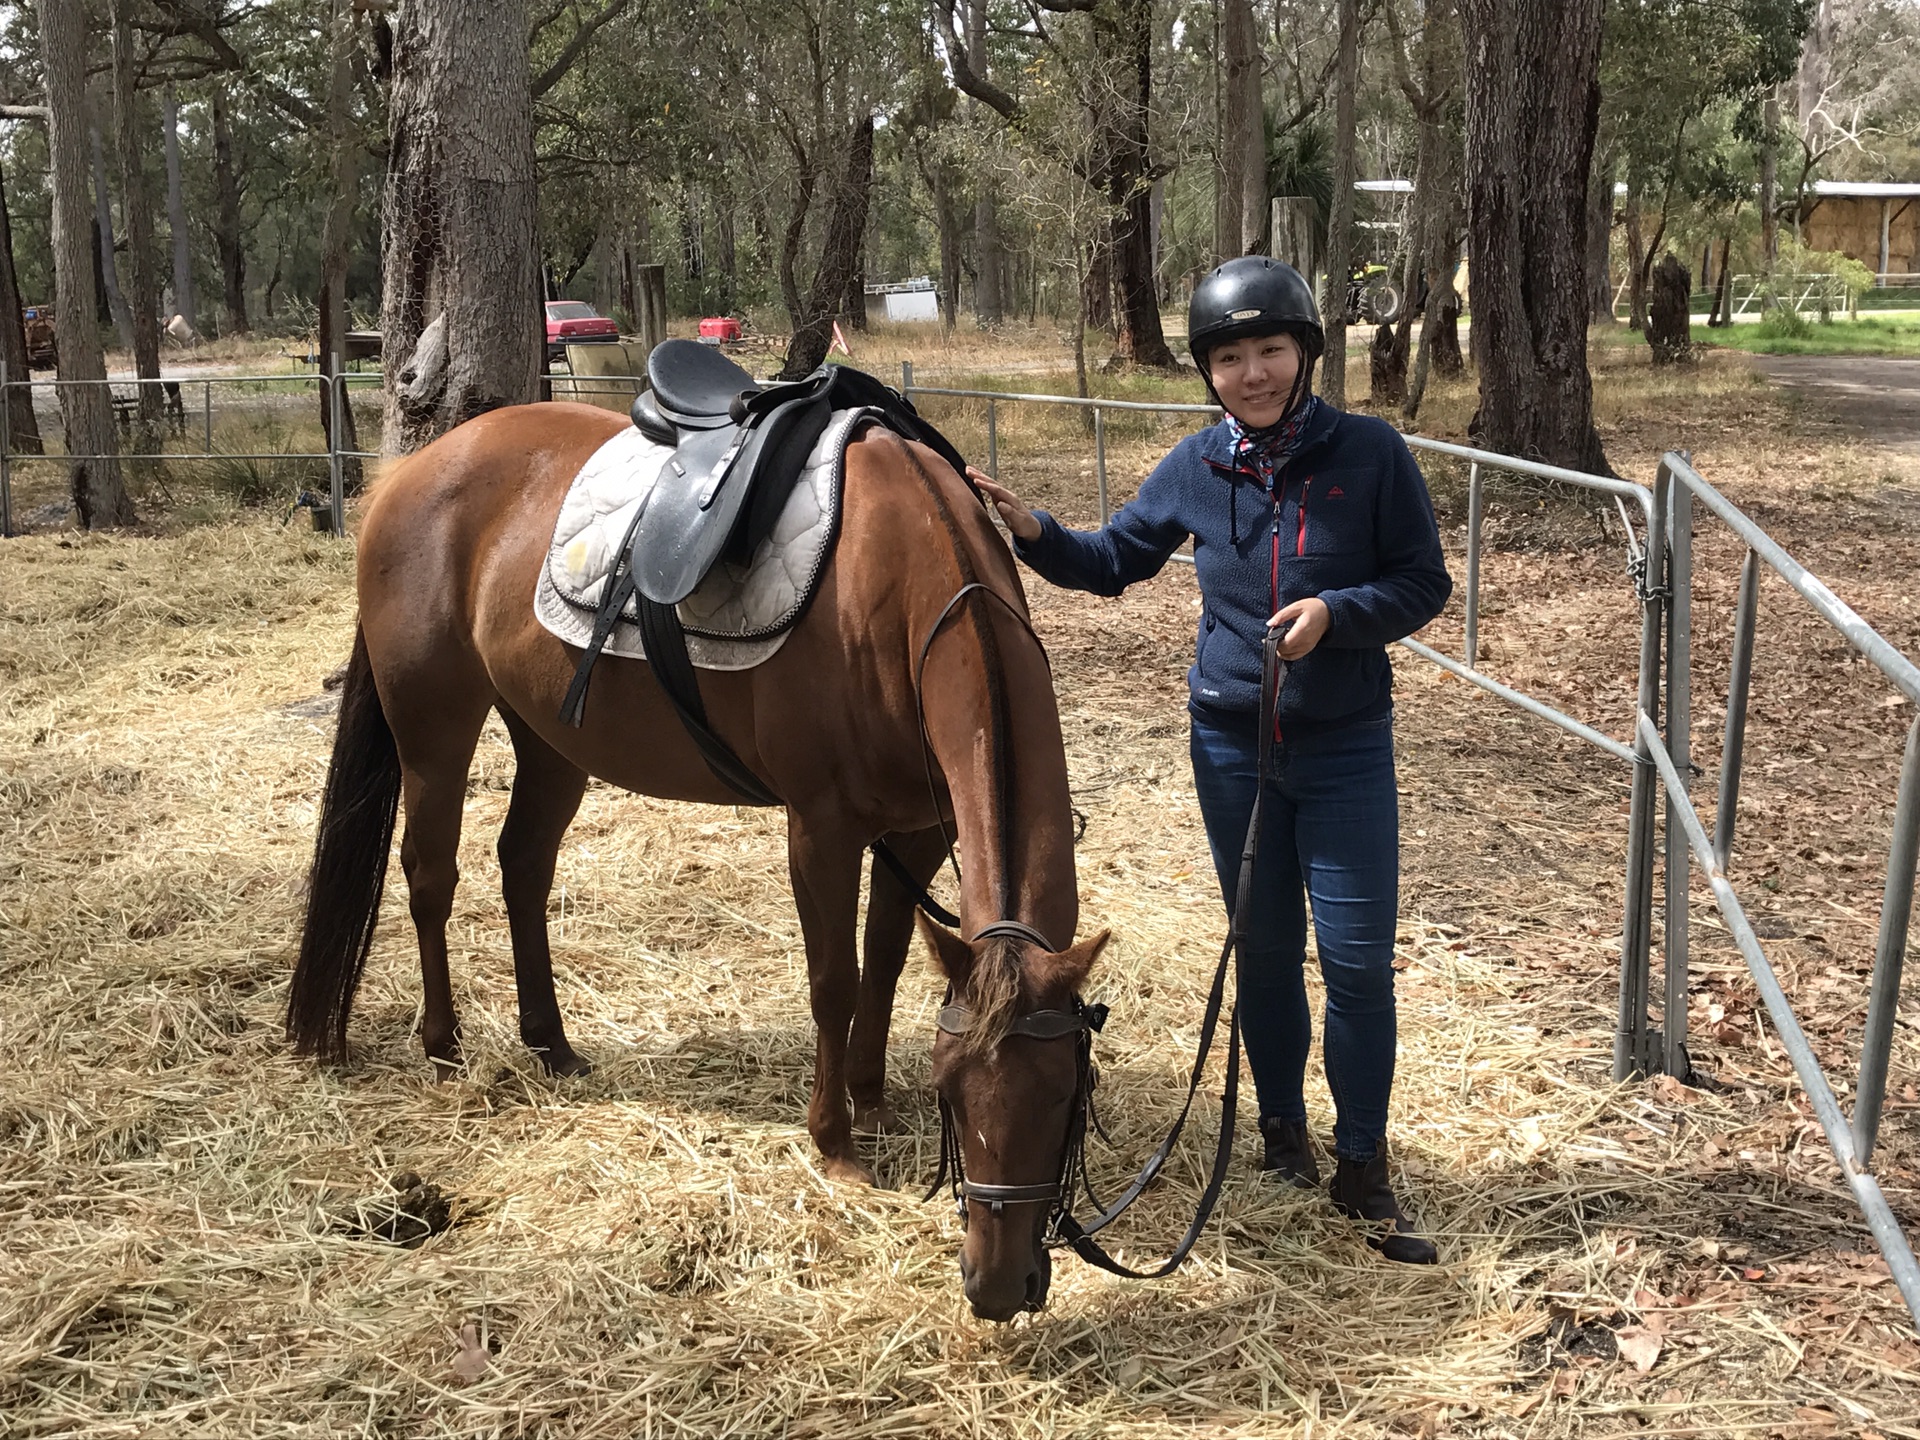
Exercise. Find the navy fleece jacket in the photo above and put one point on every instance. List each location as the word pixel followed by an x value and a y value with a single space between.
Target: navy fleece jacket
pixel 1349 520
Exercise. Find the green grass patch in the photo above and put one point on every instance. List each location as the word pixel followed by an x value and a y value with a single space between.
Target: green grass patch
pixel 1879 335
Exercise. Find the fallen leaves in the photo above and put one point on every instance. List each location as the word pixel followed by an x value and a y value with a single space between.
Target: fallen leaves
pixel 1639 1345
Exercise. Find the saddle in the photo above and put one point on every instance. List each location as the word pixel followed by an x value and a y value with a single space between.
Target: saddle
pixel 738 449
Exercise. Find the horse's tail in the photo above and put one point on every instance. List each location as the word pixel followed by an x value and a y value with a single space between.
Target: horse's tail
pixel 349 865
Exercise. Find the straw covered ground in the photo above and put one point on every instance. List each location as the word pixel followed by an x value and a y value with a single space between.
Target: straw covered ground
pixel 203 1236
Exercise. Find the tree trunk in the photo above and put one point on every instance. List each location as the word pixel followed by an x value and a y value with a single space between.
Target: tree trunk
pixel 1723 291
pixel 226 217
pixel 1096 279
pixel 462 278
pixel 23 426
pixel 1138 339
pixel 177 212
pixel 989 254
pixel 1386 369
pixel 854 306
pixel 100 496
pixel 949 225
pixel 1669 326
pixel 1333 299
pixel 1636 261
pixel 143 299
pixel 103 225
pixel 1242 144
pixel 1600 241
pixel 1533 102
pixel 839 255
pixel 1770 183
pixel 335 232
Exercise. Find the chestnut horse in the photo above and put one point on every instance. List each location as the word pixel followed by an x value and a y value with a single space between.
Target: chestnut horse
pixel 449 551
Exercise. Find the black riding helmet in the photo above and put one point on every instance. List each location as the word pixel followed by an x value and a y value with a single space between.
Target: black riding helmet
pixel 1255 295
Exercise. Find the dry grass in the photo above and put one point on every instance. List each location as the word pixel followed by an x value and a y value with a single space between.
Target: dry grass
pixel 187 1211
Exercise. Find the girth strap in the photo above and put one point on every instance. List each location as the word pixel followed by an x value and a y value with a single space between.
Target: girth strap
pixel 666 646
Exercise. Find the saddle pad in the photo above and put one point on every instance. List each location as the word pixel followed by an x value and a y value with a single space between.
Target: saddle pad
pixel 740 614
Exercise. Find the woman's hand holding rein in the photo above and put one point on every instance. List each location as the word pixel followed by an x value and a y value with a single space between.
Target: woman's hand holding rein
pixel 1019 519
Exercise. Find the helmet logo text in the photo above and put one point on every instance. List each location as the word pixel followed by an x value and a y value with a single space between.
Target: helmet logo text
pixel 1243 314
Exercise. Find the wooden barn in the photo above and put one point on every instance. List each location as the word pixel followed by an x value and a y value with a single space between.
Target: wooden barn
pixel 1876 223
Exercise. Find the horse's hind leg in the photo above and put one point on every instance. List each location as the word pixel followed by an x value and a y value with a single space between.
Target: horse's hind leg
pixel 434 758
pixel 546 794
pixel 889 933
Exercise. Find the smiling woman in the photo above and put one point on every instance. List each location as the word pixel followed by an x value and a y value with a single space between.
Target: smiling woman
pixel 1317 524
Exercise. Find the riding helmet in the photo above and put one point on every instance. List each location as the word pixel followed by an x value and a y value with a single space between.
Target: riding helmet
pixel 1253 295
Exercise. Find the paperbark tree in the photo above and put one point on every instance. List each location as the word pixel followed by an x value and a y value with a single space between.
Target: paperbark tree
pixel 1333 297
pixel 1532 107
pixel 177 212
pixel 143 299
pixel 460 306
pixel 100 498
pixel 23 426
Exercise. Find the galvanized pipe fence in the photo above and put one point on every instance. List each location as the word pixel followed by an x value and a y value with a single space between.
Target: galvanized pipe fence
pixel 330 389
pixel 1660 568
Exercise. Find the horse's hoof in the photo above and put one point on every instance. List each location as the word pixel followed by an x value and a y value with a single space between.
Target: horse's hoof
pixel 849 1172
pixel 880 1119
pixel 563 1062
pixel 447 1068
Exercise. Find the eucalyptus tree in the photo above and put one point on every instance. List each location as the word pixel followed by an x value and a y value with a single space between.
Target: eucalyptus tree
pixel 100 496
pixel 1532 101
pixel 1106 61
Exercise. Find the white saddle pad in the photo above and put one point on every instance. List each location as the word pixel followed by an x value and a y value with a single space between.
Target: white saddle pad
pixel 740 614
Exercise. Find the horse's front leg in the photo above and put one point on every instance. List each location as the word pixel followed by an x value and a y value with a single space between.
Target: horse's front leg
pixel 824 861
pixel 889 933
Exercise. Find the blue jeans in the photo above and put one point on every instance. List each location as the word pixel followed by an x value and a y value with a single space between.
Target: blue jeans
pixel 1329 835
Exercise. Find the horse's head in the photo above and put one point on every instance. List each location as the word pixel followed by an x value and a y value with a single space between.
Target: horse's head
pixel 1006 1065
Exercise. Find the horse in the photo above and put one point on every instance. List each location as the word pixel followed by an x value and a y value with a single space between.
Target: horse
pixel 911 693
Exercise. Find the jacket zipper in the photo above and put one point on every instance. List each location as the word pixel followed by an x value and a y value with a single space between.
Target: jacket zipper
pixel 1300 538
pixel 1273 594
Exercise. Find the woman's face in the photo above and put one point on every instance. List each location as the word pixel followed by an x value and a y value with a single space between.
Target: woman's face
pixel 1254 377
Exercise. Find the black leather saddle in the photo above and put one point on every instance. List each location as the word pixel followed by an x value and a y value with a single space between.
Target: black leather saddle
pixel 739 447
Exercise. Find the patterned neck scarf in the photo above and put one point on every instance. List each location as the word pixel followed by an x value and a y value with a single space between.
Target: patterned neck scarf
pixel 1266 451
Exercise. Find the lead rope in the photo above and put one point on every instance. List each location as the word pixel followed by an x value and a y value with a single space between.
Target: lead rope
pixel 1068 1231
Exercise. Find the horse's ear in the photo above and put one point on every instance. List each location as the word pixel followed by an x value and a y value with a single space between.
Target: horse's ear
pixel 952 954
pixel 1067 971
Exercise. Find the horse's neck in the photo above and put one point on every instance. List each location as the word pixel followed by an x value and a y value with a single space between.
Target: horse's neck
pixel 995 729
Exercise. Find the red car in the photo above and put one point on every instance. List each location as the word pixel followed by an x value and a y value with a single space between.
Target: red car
pixel 574 322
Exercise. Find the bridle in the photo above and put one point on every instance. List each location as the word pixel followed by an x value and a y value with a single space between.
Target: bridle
pixel 1081 1021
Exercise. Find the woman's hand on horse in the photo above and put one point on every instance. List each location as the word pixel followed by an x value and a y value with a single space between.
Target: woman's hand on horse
pixel 1308 620
pixel 1020 520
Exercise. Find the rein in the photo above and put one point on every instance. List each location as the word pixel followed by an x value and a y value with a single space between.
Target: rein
pixel 1079 1025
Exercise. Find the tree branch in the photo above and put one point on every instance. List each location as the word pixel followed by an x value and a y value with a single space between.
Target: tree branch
pixel 24 112
pixel 555 72
pixel 964 77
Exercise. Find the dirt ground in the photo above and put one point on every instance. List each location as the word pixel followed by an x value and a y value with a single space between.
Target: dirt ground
pixel 204 1236
pixel 1871 397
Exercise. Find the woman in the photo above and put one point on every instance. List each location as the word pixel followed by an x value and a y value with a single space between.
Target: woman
pixel 1315 522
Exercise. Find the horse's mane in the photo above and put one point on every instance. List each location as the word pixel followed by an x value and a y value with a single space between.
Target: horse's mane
pixel 993 994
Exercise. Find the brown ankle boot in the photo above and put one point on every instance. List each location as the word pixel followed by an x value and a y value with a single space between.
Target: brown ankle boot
pixel 1288 1152
pixel 1361 1191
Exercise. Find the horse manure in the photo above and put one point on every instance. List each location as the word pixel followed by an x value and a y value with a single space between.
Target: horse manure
pixel 415 1210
